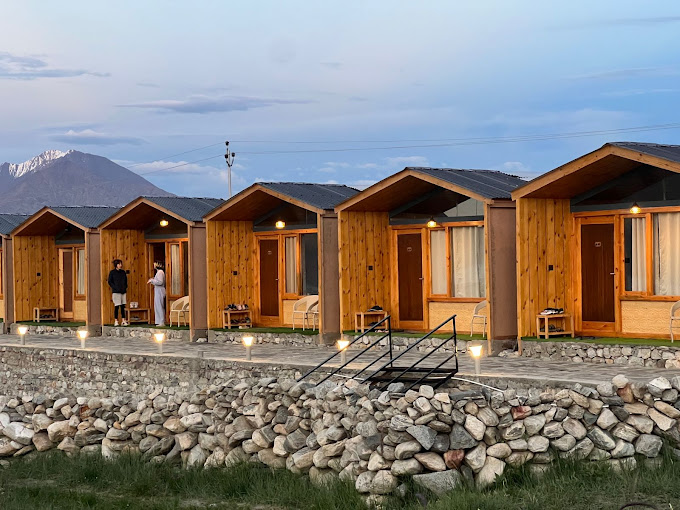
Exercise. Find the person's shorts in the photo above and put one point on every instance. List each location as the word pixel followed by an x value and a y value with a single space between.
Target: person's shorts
pixel 119 299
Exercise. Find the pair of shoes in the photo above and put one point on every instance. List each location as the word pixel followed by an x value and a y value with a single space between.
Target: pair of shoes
pixel 115 323
pixel 552 311
pixel 125 323
pixel 375 308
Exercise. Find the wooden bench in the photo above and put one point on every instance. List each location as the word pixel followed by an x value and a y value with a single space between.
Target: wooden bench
pixel 45 314
pixel 226 319
pixel 360 320
pixel 138 315
pixel 563 317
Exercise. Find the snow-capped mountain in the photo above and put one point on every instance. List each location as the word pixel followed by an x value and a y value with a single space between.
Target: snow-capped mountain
pixel 69 178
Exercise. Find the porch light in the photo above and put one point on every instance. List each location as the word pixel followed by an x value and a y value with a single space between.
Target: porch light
pixel 164 223
pixel 82 334
pixel 431 223
pixel 476 352
pixel 248 343
pixel 342 347
pixel 22 330
pixel 160 338
pixel 635 209
pixel 280 224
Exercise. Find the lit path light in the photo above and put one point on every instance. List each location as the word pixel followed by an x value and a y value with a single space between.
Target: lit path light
pixel 82 334
pixel 342 347
pixel 476 352
pixel 160 338
pixel 22 332
pixel 248 343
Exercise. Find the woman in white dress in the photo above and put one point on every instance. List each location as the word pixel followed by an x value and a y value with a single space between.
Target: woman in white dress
pixel 158 282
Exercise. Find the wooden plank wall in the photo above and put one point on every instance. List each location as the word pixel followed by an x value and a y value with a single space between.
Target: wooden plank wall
pixel 130 247
pixel 364 241
pixel 33 255
pixel 230 247
pixel 544 237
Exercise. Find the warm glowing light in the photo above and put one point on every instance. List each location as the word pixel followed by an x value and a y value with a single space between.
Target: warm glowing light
pixel 82 334
pixel 431 223
pixel 280 224
pixel 22 330
pixel 343 344
pixel 159 337
pixel 476 351
pixel 248 341
pixel 635 209
pixel 164 223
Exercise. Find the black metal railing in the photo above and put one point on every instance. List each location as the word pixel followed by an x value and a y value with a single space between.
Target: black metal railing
pixel 384 324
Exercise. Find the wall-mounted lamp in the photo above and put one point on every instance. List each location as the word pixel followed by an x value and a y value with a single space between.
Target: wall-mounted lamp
pixel 248 343
pixel 476 352
pixel 342 347
pixel 431 223
pixel 280 224
pixel 635 209
pixel 160 338
pixel 164 223
pixel 22 330
pixel 82 334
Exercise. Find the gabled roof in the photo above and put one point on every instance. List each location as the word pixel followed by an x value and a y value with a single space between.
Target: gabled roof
pixel 9 222
pixel 598 167
pixel 413 182
pixel 86 216
pixel 189 208
pixel 262 197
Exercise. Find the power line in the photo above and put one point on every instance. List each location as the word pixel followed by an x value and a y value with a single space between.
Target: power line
pixel 178 154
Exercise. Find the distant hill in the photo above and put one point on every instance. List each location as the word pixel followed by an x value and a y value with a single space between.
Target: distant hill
pixel 69 178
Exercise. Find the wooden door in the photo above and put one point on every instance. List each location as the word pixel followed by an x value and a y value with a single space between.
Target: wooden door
pixel 597 274
pixel 269 280
pixel 410 279
pixel 157 252
pixel 66 282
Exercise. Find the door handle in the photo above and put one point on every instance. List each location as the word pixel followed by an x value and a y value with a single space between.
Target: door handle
pixel 612 274
pixel 421 279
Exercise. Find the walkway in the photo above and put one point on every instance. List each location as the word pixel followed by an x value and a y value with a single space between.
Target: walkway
pixel 307 357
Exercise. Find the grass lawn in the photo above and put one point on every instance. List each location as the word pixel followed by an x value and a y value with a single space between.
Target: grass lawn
pixel 279 331
pixel 655 342
pixel 62 483
pixel 54 324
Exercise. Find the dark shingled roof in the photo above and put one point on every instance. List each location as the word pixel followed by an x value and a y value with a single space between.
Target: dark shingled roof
pixel 9 222
pixel 320 196
pixel 668 152
pixel 86 216
pixel 487 183
pixel 189 208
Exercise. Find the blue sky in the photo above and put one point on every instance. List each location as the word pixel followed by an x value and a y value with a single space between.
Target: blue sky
pixel 139 82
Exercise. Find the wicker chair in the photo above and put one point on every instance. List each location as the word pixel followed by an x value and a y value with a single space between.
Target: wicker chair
pixel 302 307
pixel 180 308
pixel 477 316
pixel 674 308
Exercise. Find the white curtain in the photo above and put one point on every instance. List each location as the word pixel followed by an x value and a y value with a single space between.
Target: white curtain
pixel 667 254
pixel 80 272
pixel 175 271
pixel 438 261
pixel 638 255
pixel 291 270
pixel 467 251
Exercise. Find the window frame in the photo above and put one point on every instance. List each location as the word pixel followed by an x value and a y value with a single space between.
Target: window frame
pixel 76 259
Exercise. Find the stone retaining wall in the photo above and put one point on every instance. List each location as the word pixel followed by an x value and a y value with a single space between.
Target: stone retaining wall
pixel 142 332
pixel 581 352
pixel 241 412
pixel 45 330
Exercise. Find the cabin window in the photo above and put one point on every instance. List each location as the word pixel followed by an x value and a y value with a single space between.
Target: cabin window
pixel 635 253
pixel 309 264
pixel 175 271
pixel 438 261
pixel 80 272
pixel 666 259
pixel 291 265
pixel 468 277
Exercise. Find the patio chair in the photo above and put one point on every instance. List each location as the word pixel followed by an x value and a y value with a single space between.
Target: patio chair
pixel 313 314
pixel 476 316
pixel 180 308
pixel 301 308
pixel 674 309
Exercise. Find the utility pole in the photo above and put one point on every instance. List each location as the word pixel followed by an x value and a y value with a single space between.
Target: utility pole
pixel 229 158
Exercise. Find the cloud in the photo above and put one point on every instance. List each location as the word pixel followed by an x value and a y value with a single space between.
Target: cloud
pixel 148 84
pixel 91 137
pixel 14 67
pixel 207 104
pixel 332 65
pixel 516 168
pixel 403 161
pixel 637 72
pixel 638 92
pixel 178 168
pixel 653 21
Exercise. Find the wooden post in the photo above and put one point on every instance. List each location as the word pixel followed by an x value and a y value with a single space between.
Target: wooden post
pixel 198 282
pixel 7 282
pixel 93 282
pixel 329 284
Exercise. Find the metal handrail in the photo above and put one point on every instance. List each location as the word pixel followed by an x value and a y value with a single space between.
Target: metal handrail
pixel 418 342
pixel 373 328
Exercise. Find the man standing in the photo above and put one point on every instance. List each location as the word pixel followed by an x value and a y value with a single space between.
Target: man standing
pixel 118 283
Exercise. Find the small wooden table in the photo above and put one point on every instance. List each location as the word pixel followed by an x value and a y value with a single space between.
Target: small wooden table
pixel 360 320
pixel 45 314
pixel 564 317
pixel 138 315
pixel 226 318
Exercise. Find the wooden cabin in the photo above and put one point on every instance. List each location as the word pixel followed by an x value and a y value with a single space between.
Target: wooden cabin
pixel 55 255
pixel 597 237
pixel 272 244
pixel 169 229
pixel 8 222
pixel 427 243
